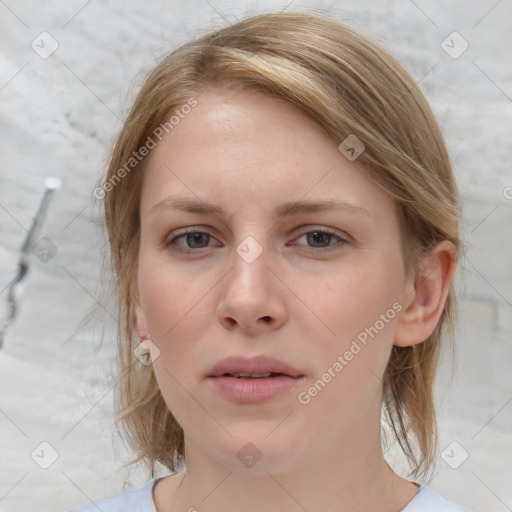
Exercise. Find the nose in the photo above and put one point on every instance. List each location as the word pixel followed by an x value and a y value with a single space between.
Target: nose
pixel 253 298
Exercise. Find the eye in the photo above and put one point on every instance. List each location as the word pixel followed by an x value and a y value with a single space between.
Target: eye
pixel 322 238
pixel 191 239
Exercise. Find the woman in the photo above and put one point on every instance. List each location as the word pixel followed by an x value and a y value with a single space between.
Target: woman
pixel 283 221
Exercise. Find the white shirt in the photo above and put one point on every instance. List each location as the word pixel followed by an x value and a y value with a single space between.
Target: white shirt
pixel 141 500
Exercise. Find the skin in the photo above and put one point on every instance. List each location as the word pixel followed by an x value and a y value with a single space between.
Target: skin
pixel 248 154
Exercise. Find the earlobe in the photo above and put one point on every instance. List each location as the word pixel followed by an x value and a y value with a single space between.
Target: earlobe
pixel 424 304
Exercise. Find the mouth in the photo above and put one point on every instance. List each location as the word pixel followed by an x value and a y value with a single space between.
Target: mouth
pixel 260 367
pixel 253 381
pixel 253 375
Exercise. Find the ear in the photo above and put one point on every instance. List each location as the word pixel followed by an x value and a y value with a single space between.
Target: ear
pixel 426 295
pixel 140 318
pixel 140 321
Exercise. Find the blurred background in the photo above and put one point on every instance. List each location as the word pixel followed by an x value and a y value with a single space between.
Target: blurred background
pixel 69 72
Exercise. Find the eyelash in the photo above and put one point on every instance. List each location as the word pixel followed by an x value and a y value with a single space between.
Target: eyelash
pixel 171 243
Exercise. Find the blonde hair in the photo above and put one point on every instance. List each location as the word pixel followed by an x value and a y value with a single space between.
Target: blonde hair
pixel 348 85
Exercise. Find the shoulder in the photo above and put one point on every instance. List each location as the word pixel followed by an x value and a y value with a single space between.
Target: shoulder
pixel 427 500
pixel 135 500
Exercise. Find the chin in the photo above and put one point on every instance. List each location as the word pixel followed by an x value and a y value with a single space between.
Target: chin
pixel 257 453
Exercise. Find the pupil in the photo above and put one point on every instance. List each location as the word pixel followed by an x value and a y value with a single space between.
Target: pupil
pixel 318 237
pixel 194 238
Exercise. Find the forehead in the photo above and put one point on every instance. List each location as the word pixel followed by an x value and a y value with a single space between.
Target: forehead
pixel 243 150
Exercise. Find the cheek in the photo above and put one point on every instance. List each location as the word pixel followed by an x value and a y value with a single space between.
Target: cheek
pixel 177 310
pixel 358 312
pixel 352 299
pixel 174 308
pixel 169 297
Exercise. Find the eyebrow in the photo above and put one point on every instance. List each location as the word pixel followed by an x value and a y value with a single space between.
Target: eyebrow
pixel 284 210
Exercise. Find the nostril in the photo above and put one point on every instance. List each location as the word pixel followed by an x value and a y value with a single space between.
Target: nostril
pixel 266 318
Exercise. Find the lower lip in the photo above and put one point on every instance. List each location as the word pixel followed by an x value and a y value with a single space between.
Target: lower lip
pixel 254 391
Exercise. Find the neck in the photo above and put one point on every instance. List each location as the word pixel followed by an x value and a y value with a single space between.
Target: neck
pixel 341 477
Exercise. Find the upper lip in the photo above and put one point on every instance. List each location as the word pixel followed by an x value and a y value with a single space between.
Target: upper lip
pixel 259 364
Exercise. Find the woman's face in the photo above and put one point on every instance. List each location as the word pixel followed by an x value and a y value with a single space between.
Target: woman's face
pixel 268 278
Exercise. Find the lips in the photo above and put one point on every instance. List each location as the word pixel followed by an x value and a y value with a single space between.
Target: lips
pixel 256 367
pixel 253 381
